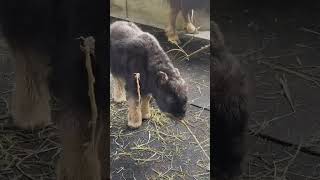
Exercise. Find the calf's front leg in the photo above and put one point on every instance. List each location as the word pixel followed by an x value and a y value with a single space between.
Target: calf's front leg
pixel 145 107
pixel 134 113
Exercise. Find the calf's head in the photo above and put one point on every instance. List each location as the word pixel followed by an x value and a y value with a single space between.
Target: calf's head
pixel 171 94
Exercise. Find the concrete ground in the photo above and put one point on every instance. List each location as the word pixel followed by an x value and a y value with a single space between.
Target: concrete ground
pixel 162 148
pixel 279 43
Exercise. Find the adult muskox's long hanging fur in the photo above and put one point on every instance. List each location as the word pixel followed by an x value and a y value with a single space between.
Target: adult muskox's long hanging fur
pixel 134 51
pixel 230 110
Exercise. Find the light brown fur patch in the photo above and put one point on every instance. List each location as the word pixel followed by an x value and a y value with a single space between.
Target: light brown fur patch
pixel 119 93
pixel 145 107
pixel 134 113
pixel 31 108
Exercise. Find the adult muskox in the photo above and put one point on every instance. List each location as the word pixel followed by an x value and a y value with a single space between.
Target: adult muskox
pixel 134 51
pixel 229 95
pixel 42 36
pixel 186 7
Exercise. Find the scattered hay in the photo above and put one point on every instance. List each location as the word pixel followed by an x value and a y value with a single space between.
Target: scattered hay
pixel 158 143
pixel 159 118
pixel 280 163
pixel 28 154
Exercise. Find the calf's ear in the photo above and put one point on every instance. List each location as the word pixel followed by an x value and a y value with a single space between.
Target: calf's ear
pixel 162 76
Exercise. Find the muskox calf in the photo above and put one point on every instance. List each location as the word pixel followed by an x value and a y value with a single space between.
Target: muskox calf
pixel 134 51
pixel 43 38
pixel 229 95
pixel 186 7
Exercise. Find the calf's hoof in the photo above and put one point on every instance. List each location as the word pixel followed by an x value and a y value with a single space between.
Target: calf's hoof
pixel 134 119
pixel 146 116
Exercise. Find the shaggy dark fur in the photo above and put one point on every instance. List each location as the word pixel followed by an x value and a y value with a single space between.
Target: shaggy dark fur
pixel 134 51
pixel 42 37
pixel 229 95
pixel 185 6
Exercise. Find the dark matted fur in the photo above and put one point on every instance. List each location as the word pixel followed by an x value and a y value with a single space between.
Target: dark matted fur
pixel 134 51
pixel 47 29
pixel 229 96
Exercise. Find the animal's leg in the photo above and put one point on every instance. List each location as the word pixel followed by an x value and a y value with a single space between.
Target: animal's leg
pixel 145 107
pixel 171 29
pixel 190 28
pixel 119 93
pixel 80 159
pixel 134 113
pixel 30 105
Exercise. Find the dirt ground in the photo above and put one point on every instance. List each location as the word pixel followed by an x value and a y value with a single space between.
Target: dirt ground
pixel 279 43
